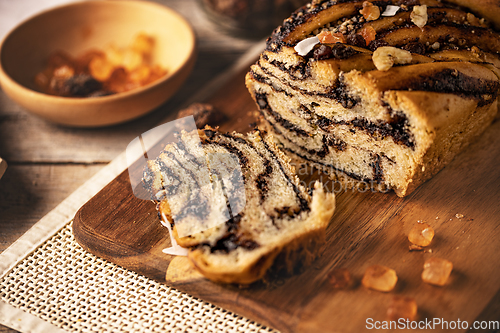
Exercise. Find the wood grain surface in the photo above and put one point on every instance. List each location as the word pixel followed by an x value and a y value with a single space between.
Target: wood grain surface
pixel 461 203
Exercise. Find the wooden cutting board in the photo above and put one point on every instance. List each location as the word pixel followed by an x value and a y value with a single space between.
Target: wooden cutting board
pixel 367 228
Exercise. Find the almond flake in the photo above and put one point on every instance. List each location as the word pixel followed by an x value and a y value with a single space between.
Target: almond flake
pixel 390 10
pixel 306 45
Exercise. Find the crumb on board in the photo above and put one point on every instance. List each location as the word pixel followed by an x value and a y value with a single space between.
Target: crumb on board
pixel 340 278
pixel 204 114
pixel 414 247
pixel 421 234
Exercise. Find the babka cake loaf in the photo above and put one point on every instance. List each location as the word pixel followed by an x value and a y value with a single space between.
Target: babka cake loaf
pixel 380 93
pixel 235 202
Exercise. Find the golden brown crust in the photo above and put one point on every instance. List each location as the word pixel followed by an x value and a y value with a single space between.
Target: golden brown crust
pixel 301 249
pixel 454 121
pixel 248 274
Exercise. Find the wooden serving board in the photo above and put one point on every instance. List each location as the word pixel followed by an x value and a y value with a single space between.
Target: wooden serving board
pixel 367 228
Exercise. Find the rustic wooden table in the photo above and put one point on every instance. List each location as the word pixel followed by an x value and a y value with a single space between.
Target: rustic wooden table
pixel 47 162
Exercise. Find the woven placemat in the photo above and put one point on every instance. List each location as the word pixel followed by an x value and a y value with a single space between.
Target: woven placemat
pixel 48 283
pixel 76 291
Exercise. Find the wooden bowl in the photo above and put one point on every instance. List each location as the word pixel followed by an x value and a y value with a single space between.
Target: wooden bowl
pixel 79 27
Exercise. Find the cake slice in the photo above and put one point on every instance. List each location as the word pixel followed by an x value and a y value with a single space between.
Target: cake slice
pixel 235 202
pixel 379 94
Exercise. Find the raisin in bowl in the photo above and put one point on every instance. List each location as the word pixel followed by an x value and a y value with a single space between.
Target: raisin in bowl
pixel 55 44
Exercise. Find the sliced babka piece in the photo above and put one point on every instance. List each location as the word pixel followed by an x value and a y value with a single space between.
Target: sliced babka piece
pixel 235 202
pixel 379 93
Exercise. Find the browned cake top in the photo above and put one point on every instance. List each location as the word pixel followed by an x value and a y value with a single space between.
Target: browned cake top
pixel 460 25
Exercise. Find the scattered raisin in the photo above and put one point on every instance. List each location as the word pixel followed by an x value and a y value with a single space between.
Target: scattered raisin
pixel 323 52
pixel 80 85
pixel 356 40
pixel 341 51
